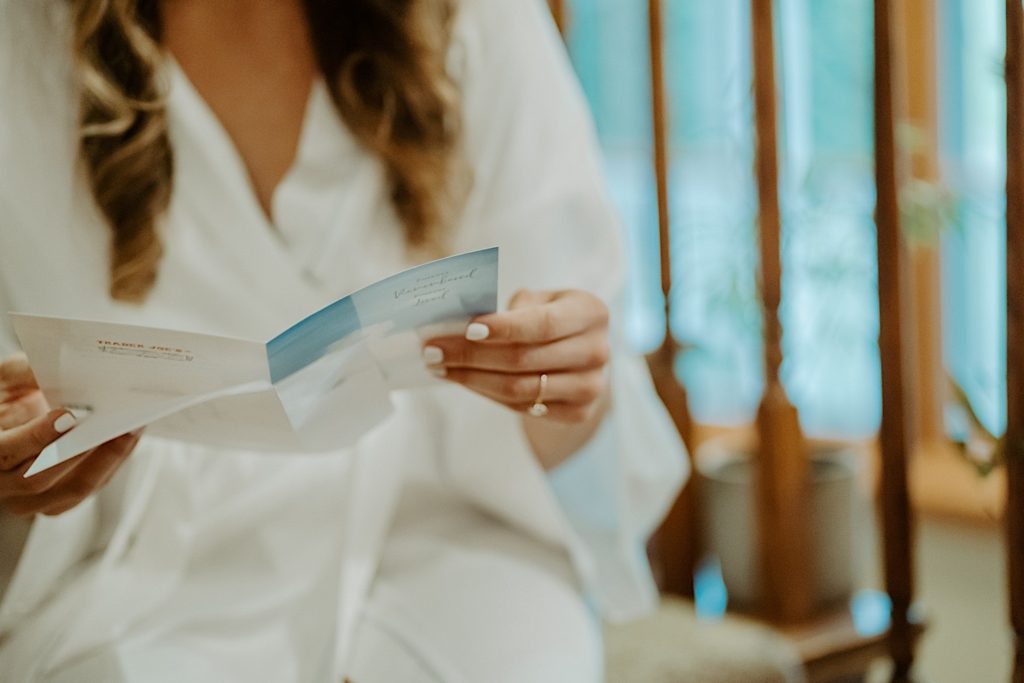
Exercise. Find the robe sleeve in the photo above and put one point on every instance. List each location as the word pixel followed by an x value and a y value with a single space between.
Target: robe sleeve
pixel 538 193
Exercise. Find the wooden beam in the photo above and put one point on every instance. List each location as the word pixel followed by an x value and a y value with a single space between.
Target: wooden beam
pixel 917 53
pixel 782 466
pixel 678 539
pixel 895 500
pixel 659 113
pixel 1015 326
pixel 561 14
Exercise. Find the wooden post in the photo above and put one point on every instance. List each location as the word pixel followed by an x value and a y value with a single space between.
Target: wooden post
pixel 678 541
pixel 895 501
pixel 560 13
pixel 1015 326
pixel 782 465
pixel 916 26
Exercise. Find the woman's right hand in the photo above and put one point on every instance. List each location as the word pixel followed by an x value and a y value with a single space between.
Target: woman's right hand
pixel 27 426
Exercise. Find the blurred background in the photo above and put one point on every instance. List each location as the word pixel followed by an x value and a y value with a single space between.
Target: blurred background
pixel 951 134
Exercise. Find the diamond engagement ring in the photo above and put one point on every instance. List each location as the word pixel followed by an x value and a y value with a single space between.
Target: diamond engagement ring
pixel 538 409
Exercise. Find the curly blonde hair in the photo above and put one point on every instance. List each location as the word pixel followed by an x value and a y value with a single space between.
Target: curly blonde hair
pixel 384 63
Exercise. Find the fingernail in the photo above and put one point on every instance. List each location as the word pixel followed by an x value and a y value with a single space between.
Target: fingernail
pixel 477 332
pixel 438 370
pixel 433 355
pixel 79 412
pixel 64 423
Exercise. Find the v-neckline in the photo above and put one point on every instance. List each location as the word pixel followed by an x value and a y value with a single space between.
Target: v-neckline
pixel 220 187
pixel 271 221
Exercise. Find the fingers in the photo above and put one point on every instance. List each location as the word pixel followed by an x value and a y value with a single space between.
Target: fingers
pixel 18 411
pixel 581 352
pixel 563 335
pixel 15 370
pixel 19 492
pixel 521 390
pixel 20 397
pixel 88 474
pixel 562 315
pixel 16 376
pixel 530 297
pixel 26 441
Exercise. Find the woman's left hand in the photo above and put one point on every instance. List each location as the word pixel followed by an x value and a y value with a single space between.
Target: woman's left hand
pixel 21 400
pixel 563 335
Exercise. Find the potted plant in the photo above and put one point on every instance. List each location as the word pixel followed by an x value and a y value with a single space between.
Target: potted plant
pixel 727 468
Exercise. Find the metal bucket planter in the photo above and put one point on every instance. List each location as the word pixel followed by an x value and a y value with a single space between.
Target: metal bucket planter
pixel 726 469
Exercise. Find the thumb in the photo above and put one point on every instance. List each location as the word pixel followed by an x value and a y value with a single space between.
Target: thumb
pixel 27 441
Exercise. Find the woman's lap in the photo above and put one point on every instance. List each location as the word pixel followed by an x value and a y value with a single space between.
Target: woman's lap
pixel 460 597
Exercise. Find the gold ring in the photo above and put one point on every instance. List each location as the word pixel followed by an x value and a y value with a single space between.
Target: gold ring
pixel 538 409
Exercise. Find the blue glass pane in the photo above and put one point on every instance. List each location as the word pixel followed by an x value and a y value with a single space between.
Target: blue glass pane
pixel 715 303
pixel 973 116
pixel 830 299
pixel 608 40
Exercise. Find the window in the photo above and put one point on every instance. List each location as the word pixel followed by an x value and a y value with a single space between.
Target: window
pixel 973 112
pixel 827 195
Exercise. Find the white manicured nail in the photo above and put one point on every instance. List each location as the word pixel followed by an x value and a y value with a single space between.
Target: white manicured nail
pixel 432 355
pixel 438 370
pixel 64 423
pixel 80 412
pixel 477 332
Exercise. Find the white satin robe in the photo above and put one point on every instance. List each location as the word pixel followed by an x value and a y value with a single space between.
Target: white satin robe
pixel 206 565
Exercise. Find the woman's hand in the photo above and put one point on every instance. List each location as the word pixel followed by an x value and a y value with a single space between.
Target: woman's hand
pixel 20 397
pixel 563 335
pixel 27 426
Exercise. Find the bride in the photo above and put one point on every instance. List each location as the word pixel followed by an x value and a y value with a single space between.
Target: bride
pixel 228 167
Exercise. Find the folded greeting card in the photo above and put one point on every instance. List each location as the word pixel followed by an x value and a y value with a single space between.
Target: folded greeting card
pixel 317 386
